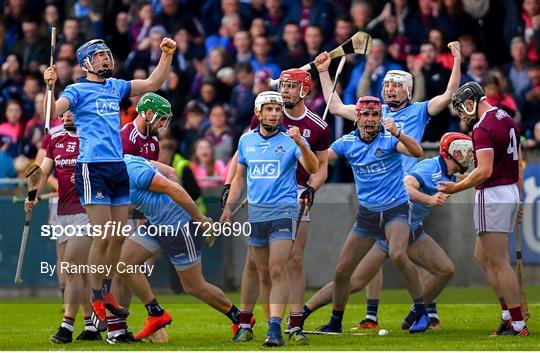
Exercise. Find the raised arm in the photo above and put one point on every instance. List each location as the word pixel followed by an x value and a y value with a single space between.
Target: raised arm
pixel 322 62
pixel 308 159
pixel 406 145
pixel 158 76
pixel 438 103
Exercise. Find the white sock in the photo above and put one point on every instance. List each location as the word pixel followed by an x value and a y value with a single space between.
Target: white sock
pixel 371 317
pixel 67 323
pixel 506 315
pixel 518 325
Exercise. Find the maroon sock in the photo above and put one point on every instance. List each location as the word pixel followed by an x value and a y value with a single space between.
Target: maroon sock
pixel 245 319
pixel 116 323
pixel 516 314
pixel 503 303
pixel 296 320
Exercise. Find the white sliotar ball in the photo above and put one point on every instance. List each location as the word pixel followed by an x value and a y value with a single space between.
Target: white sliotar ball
pixel 383 332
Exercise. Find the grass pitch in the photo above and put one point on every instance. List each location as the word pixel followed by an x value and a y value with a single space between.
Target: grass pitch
pixel 27 324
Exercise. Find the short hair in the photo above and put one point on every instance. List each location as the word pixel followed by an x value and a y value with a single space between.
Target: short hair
pixel 517 40
pixel 244 67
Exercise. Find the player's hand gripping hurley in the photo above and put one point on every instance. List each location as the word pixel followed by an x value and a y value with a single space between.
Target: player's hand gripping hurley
pixel 49 92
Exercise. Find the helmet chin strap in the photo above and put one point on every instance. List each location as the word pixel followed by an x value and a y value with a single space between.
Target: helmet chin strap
pixel 70 127
pixel 462 168
pixel 270 128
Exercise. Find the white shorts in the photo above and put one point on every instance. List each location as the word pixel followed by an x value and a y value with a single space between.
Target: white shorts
pixel 73 221
pixel 305 217
pixel 496 208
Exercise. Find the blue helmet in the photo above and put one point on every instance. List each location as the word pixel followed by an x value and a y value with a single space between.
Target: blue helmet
pixel 86 53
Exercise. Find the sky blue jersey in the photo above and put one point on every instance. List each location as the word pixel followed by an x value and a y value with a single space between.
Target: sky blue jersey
pixel 428 172
pixel 159 209
pixel 271 174
pixel 377 169
pixel 411 120
pixel 96 110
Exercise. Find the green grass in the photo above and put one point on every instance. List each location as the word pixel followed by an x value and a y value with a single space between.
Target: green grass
pixel 198 327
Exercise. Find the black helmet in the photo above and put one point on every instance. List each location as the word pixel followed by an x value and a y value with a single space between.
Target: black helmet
pixel 469 91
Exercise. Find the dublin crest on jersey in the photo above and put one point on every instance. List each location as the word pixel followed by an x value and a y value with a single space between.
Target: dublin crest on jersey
pixel 379 152
pixel 280 150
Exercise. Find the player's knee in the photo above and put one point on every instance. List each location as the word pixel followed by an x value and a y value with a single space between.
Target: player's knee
pixel 100 245
pixel 192 288
pixel 399 257
pixel 296 262
pixel 264 280
pixel 341 276
pixel 447 271
pixel 277 272
pixel 358 283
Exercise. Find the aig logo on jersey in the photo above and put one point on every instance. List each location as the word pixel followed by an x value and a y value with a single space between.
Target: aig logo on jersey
pixel 107 106
pixel 264 169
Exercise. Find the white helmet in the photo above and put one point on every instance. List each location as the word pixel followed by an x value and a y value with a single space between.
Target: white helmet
pixel 267 97
pixel 401 77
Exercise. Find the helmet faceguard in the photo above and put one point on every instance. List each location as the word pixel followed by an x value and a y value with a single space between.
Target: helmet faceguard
pixel 368 117
pixel 161 109
pixel 96 57
pixel 288 80
pixel 471 91
pixel 262 99
pixel 457 147
pixel 399 77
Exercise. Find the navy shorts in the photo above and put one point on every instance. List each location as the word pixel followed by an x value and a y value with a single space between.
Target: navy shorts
pixel 418 233
pixel 104 183
pixel 264 233
pixel 371 225
pixel 183 247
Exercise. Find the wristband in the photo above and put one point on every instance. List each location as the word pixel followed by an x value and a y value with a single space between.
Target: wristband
pixel 399 134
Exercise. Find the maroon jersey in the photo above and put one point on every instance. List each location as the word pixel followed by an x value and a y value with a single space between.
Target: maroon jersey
pixel 63 149
pixel 137 144
pixel 497 131
pixel 315 131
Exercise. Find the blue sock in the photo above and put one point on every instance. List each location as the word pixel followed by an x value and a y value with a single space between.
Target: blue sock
pixel 420 306
pixel 432 310
pixel 275 325
pixel 372 306
pixel 336 318
pixel 107 285
pixel 97 294
pixel 306 312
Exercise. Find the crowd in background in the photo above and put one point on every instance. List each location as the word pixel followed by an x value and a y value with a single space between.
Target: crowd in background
pixel 227 50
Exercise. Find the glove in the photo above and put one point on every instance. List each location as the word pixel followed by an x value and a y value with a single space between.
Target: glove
pixel 225 195
pixel 309 195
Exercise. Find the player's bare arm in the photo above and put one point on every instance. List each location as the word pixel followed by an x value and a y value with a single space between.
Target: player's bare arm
pixel 163 185
pixel 166 170
pixel 58 107
pixel 52 181
pixel 480 174
pixel 308 159
pixel 317 180
pixel 158 76
pixel 438 103
pixel 46 166
pixel 322 62
pixel 238 186
pixel 406 145
pixel 413 189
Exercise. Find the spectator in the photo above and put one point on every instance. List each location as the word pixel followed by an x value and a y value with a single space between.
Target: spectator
pixel 208 171
pixel 263 60
pixel 120 39
pixel 468 46
pixel 64 71
pixel 66 51
pixel 478 66
pixel 140 28
pixel 242 96
pixel 31 47
pixel 368 75
pixel 343 30
pixel 31 88
pixel 534 140
pixel 424 21
pixel 11 130
pixel 172 18
pixel 319 13
pixel 277 15
pixel 398 46
pixel 360 14
pixel 192 126
pixel 257 28
pixel 242 47
pixel 230 24
pixel 11 80
pixel 177 91
pixel 444 56
pixel 148 58
pixel 496 95
pixel 293 54
pixel 531 28
pixel 33 131
pixel 314 40
pixel 187 52
pixel 435 78
pixel 261 83
pixel 219 134
pixel 71 33
pixel 213 12
pixel 516 70
pixel 453 21
pixel 51 18
pixel 531 101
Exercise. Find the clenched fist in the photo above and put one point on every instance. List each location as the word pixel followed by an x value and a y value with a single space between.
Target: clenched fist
pixel 322 61
pixel 390 126
pixel 455 48
pixel 168 46
pixel 294 133
pixel 49 75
